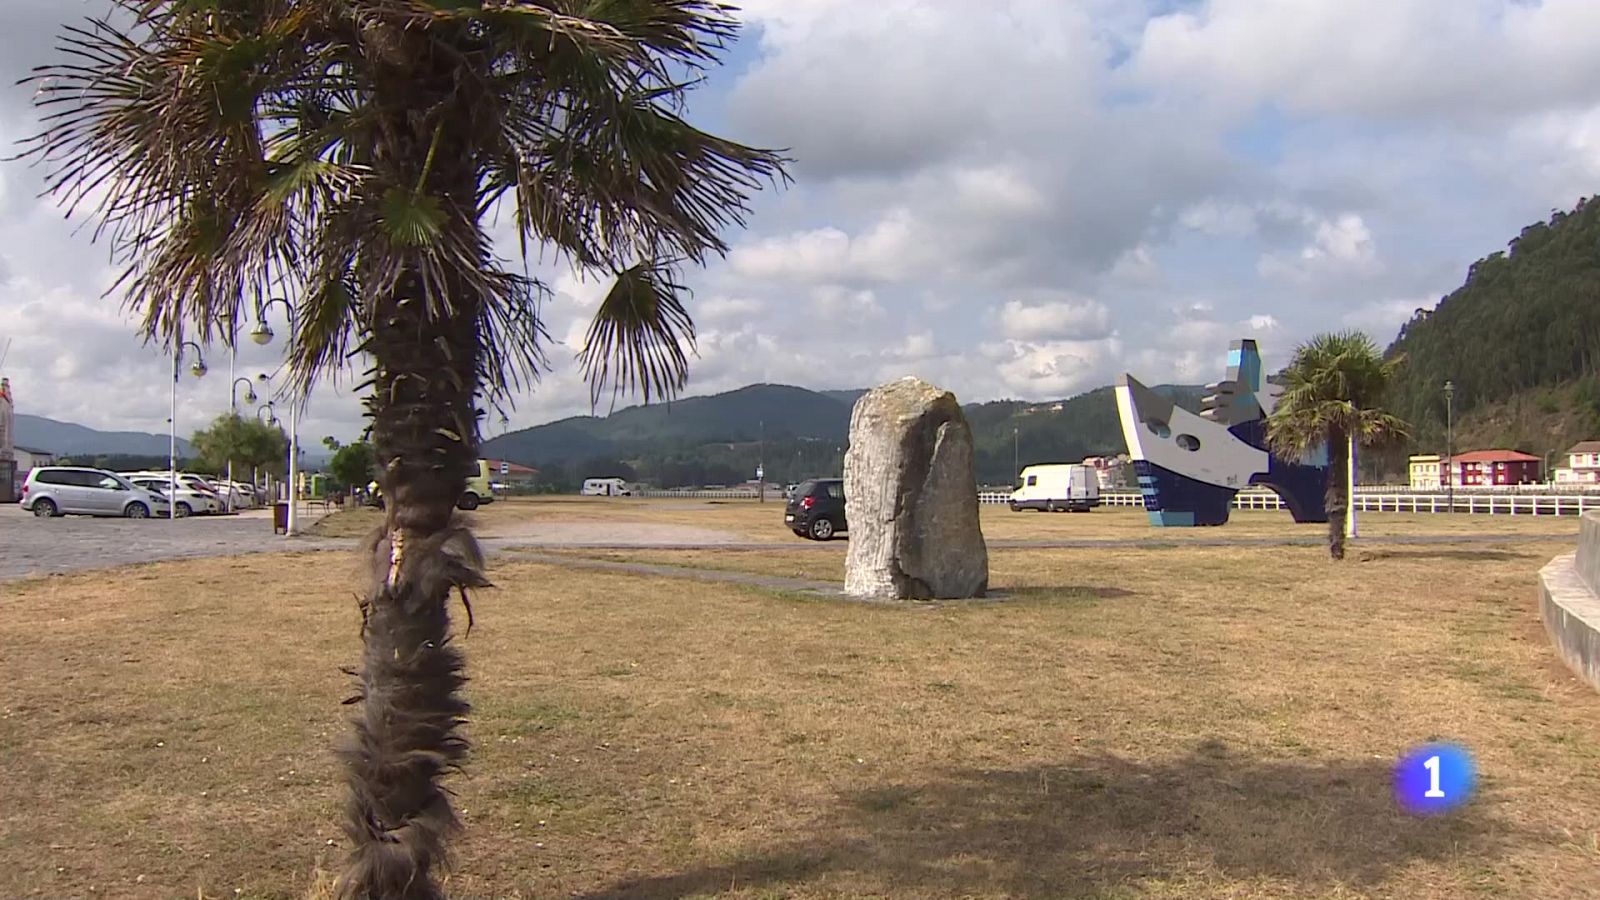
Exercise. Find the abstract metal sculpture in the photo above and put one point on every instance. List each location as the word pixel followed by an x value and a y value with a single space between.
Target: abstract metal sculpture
pixel 1191 465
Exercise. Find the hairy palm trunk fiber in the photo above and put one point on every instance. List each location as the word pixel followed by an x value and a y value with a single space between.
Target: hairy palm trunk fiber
pixel 1338 486
pixel 398 816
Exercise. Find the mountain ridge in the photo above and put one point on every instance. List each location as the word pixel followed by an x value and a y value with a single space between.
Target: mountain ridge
pixel 69 439
pixel 795 432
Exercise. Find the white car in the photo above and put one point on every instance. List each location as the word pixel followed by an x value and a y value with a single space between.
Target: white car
pixel 188 502
pixel 244 496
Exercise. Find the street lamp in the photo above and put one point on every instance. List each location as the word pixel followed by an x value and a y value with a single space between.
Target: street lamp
pixel 198 369
pixel 1450 443
pixel 262 335
pixel 233 408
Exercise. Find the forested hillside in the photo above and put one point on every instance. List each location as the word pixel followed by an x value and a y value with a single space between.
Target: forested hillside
pixel 1523 332
pixel 797 434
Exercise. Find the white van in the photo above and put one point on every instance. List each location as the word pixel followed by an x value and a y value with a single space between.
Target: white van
pixel 1058 487
pixel 605 487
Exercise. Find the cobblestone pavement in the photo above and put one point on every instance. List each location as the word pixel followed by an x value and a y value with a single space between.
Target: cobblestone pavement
pixel 30 546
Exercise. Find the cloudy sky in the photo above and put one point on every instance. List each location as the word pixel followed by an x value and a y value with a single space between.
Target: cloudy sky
pixel 1018 198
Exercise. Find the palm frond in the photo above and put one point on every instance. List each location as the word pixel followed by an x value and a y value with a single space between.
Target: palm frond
pixel 1335 384
pixel 637 338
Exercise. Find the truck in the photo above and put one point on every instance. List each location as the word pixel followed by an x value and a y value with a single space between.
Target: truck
pixel 605 487
pixel 1056 487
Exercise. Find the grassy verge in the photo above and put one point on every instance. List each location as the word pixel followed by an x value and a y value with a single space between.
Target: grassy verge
pixel 1174 723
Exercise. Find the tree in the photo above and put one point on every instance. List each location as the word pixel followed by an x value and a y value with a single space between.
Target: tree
pixel 353 464
pixel 247 442
pixel 352 153
pixel 1332 391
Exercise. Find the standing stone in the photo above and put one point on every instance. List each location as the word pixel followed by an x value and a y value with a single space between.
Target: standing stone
pixel 911 500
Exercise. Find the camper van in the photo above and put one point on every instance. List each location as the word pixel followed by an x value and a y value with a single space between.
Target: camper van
pixel 1060 487
pixel 605 487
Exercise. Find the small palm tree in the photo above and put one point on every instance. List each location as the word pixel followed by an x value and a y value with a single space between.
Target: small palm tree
pixel 351 154
pixel 1332 392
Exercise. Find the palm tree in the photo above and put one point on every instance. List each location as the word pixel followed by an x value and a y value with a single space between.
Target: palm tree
pixel 1331 393
pixel 352 154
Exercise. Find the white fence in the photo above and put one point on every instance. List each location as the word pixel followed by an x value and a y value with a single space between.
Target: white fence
pixel 1476 503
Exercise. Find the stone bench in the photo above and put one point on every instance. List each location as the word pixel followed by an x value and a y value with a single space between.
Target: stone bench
pixel 1569 602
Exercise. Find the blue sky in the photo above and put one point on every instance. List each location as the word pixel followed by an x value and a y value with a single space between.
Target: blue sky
pixel 1020 198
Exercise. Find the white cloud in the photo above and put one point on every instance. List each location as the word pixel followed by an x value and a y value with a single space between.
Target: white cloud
pixel 1343 244
pixel 1398 60
pixel 1070 319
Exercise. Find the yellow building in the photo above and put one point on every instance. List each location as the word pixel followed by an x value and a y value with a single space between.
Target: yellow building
pixel 1426 472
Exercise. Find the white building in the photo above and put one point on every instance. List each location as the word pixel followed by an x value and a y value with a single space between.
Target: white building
pixel 1583 464
pixel 29 458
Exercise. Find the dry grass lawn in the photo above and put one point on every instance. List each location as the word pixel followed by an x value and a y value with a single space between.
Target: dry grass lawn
pixel 1165 723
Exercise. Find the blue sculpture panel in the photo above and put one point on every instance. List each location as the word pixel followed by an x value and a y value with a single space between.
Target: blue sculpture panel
pixel 1190 466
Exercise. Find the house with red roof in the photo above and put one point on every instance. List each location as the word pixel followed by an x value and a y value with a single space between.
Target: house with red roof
pixel 1495 468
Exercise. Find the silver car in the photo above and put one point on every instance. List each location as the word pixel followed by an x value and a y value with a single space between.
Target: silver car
pixel 69 490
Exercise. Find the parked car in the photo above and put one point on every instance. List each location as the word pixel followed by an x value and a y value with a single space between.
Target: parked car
pixel 1057 487
pixel 479 490
pixel 185 480
pixel 245 496
pixel 71 490
pixel 815 509
pixel 189 502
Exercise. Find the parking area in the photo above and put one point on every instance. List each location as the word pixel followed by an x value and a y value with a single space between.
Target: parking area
pixel 30 546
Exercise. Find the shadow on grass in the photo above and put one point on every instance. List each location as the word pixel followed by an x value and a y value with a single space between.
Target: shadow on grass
pixel 1096 824
pixel 1469 555
pixel 1063 592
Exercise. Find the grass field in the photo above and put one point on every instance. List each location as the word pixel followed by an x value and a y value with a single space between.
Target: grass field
pixel 1174 722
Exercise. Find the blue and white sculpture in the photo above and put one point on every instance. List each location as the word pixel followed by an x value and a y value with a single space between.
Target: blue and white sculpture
pixel 1191 465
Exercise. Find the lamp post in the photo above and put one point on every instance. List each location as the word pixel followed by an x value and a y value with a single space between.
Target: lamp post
pixel 233 408
pixel 1016 455
pixel 1350 487
pixel 1450 443
pixel 271 421
pixel 262 335
pixel 199 370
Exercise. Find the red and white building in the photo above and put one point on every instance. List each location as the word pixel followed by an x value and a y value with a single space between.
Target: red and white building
pixel 1494 468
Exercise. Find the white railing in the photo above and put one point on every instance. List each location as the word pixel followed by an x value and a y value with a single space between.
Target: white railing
pixel 709 495
pixel 1475 503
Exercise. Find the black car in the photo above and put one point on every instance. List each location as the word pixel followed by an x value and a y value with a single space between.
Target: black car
pixel 816 509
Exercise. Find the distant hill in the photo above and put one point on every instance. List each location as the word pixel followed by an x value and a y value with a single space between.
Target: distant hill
pixel 1520 339
pixel 66 438
pixel 797 433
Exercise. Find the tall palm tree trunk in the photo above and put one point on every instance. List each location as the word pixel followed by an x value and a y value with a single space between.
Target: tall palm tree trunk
pixel 407 737
pixel 1338 489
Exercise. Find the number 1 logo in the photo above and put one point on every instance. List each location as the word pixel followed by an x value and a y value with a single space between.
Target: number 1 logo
pixel 1434 779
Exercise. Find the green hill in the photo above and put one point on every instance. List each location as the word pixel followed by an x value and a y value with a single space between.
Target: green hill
pixel 1520 339
pixel 796 433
